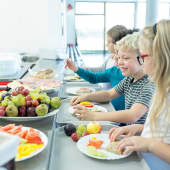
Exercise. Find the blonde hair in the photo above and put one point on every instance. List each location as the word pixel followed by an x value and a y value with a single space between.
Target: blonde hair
pixel 129 42
pixel 161 56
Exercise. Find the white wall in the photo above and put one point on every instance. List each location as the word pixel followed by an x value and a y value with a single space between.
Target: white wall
pixel 27 25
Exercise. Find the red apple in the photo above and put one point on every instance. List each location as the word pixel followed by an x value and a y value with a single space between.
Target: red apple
pixel 84 134
pixel 94 127
pixel 2 108
pixel 2 113
pixel 75 137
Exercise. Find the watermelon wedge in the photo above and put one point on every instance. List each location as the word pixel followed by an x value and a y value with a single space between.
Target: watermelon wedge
pixel 1 129
pixel 32 134
pixel 22 134
pixel 95 142
pixel 15 130
pixel 36 140
pixel 8 127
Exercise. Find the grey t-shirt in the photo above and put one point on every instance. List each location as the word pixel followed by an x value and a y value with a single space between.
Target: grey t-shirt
pixel 140 91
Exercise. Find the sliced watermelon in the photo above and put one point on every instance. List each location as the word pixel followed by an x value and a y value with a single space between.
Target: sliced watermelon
pixel 1 129
pixel 32 134
pixel 95 142
pixel 22 134
pixel 15 130
pixel 8 127
pixel 36 140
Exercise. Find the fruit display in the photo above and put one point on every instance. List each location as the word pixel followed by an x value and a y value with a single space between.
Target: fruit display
pixel 70 130
pixel 30 140
pixel 21 102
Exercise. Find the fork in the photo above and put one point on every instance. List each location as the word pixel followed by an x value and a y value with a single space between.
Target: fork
pixel 61 70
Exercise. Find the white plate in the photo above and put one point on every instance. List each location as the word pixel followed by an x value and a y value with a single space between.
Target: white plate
pixel 74 89
pixel 83 142
pixel 71 110
pixel 77 80
pixel 30 118
pixel 43 138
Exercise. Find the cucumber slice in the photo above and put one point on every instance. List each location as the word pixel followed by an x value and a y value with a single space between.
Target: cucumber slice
pixel 102 155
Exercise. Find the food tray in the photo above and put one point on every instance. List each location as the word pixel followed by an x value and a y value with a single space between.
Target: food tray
pixel 66 86
pixel 64 116
pixel 66 155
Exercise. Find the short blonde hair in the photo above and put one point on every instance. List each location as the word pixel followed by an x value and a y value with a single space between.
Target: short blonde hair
pixel 129 43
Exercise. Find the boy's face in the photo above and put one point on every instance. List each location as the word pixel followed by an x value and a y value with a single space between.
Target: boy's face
pixel 149 65
pixel 116 56
pixel 128 63
pixel 110 45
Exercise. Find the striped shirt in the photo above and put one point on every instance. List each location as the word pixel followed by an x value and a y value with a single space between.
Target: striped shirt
pixel 140 91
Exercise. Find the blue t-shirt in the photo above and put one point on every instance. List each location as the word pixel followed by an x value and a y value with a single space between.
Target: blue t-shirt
pixel 112 75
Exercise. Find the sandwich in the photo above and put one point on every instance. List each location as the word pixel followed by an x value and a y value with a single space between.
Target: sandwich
pixel 112 147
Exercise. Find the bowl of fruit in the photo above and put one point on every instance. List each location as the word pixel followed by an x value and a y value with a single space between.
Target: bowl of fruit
pixel 23 105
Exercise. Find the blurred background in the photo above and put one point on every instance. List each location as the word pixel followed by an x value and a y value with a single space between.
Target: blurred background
pixel 30 25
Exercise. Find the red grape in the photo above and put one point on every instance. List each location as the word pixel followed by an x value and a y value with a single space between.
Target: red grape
pixel 2 113
pixel 22 111
pixel 28 103
pixel 2 108
pixel 21 92
pixel 15 93
pixel 35 103
pixel 21 87
pixel 28 98
pixel 26 92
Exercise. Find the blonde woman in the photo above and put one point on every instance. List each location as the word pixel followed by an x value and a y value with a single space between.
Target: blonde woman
pixel 154 46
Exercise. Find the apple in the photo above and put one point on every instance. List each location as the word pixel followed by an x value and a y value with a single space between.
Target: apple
pixel 84 134
pixel 75 137
pixel 94 127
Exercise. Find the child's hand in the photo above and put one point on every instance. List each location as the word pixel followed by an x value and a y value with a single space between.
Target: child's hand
pixel 116 132
pixel 71 65
pixel 84 113
pixel 85 68
pixel 136 143
pixel 77 99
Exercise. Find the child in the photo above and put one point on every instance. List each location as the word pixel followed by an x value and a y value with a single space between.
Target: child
pixel 111 34
pixel 136 88
pixel 155 47
pixel 112 75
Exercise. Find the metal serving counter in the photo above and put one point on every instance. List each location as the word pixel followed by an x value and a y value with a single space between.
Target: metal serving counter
pixel 51 157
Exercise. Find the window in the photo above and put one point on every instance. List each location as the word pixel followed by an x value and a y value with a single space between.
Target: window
pixel 120 14
pixel 141 15
pixel 89 26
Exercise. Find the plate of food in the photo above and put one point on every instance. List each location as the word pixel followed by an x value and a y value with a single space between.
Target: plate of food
pixel 92 107
pixel 98 146
pixel 80 90
pixel 46 85
pixel 74 78
pixel 32 140
pixel 23 105
pixel 29 118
